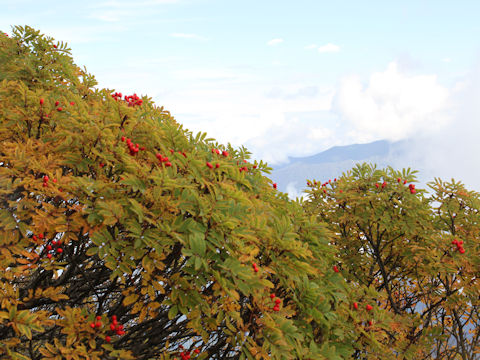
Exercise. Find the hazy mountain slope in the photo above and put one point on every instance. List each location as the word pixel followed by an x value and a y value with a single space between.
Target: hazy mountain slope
pixel 331 163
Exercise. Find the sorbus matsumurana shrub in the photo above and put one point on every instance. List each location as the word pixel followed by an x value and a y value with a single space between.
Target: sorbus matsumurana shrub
pixel 420 252
pixel 123 235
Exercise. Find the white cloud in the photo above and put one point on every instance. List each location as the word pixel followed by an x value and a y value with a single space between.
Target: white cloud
pixel 329 48
pixel 452 151
pixel 292 192
pixel 274 42
pixel 392 105
pixel 188 36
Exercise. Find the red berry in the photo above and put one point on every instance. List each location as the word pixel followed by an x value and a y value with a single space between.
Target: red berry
pixel 34 238
pixel 355 305
pixel 98 324
pixel 370 322
pixel 102 165
pixel 278 301
pixel 376 184
pixel 274 185
pixel 255 269
pixel 172 151
pixel 272 296
pixel 112 327
pixel 165 159
pixel 404 182
pixel 45 178
pixel 98 317
pixel 49 256
pixel 276 308
pixel 123 138
pixel 461 250
pixel 114 317
pixel 72 103
pixel 168 164
pixel 399 180
pixel 384 184
pixel 59 250
pixel 196 351
pixel 224 153
pixel 335 268
pixel 56 103
pixel 209 165
pixel 217 165
pixel 92 325
pixel 55 46
pixel 369 307
pixel 49 247
pixel 59 109
pixel 40 236
pixel 254 166
pixel 41 101
pixel 108 338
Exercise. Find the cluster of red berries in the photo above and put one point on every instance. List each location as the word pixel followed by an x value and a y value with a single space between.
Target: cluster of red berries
pixel 185 355
pixel 255 268
pixel 384 184
pixel 134 149
pixel 115 326
pixel 163 160
pixel 45 180
pixel 335 268
pixel 412 188
pixel 49 247
pixel 368 307
pixel 459 244
pixel 276 307
pixel 57 245
pixel 97 324
pixel 117 96
pixel 216 151
pixel 132 100
pixel 209 165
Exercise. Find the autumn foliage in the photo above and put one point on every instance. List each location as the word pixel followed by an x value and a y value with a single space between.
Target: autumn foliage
pixel 124 236
pixel 420 252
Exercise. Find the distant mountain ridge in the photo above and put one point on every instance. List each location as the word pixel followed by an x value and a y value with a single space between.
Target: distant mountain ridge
pixel 292 176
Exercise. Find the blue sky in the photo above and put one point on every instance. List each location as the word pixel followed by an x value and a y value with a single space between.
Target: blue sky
pixel 288 78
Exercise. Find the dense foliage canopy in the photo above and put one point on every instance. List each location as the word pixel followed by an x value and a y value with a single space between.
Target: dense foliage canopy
pixel 125 236
pixel 420 252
